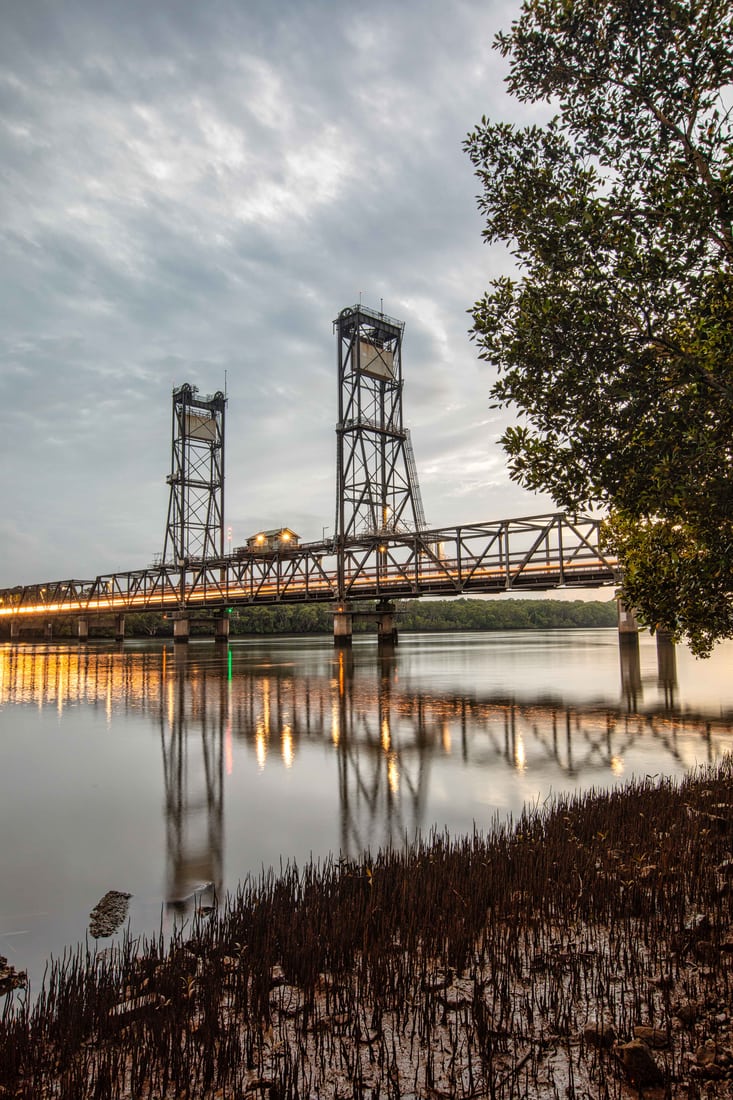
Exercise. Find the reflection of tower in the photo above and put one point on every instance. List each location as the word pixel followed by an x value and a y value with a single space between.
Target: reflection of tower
pixel 377 490
pixel 195 527
pixel 192 742
pixel 383 761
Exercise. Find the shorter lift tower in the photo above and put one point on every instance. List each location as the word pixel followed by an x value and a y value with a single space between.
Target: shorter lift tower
pixel 195 527
pixel 377 492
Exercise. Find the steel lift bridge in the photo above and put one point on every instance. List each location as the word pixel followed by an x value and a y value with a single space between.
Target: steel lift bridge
pixel 382 549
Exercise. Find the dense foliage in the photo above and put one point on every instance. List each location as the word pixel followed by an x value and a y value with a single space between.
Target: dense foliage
pixel 615 340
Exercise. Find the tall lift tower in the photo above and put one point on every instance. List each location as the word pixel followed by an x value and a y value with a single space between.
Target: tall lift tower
pixel 195 527
pixel 377 491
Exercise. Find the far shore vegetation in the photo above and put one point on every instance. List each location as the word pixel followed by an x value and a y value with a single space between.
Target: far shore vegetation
pixel 412 616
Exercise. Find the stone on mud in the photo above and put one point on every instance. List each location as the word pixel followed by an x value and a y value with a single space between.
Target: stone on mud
pixel 637 1060
pixel 108 914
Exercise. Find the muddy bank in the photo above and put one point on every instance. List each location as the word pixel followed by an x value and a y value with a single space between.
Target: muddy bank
pixel 587 951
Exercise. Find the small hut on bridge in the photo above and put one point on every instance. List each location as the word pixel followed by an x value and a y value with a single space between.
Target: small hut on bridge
pixel 269 542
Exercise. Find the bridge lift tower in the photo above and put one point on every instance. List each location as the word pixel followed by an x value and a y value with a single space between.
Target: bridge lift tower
pixel 195 527
pixel 377 491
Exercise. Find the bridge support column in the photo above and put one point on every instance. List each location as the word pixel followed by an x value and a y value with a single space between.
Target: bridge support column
pixel 221 629
pixel 82 630
pixel 343 626
pixel 14 630
pixel 48 630
pixel 181 627
pixel 119 628
pixel 386 626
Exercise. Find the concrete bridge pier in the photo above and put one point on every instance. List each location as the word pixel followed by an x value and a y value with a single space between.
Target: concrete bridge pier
pixel 221 629
pixel 628 649
pixel 14 630
pixel 181 627
pixel 82 630
pixel 628 628
pixel 119 628
pixel 343 626
pixel 48 630
pixel 386 626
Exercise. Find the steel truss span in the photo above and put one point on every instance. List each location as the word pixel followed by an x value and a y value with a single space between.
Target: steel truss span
pixel 536 553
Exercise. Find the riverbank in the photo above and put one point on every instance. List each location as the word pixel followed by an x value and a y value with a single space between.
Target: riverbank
pixel 586 951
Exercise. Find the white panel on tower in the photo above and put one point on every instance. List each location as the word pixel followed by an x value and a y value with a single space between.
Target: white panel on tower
pixel 376 362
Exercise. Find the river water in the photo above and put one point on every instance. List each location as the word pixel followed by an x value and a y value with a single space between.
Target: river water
pixel 156 770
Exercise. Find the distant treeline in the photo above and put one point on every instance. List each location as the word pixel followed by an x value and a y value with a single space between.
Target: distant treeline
pixel 413 615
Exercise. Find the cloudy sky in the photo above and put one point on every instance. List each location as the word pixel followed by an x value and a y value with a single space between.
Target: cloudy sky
pixel 190 189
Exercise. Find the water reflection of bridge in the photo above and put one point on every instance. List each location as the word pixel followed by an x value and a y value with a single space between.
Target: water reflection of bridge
pixel 385 733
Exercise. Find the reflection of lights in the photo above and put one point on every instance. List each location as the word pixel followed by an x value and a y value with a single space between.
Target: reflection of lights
pixel 520 756
pixel 60 691
pixel 335 725
pixel 393 774
pixel 260 744
pixel 62 679
pixel 446 739
pixel 386 739
pixel 266 707
pixel 288 753
pixel 617 765
pixel 228 758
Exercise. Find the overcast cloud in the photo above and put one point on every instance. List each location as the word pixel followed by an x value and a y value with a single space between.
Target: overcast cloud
pixel 190 189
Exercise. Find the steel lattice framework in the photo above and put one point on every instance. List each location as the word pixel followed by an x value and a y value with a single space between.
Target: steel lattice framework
pixel 377 491
pixel 195 526
pixel 535 553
